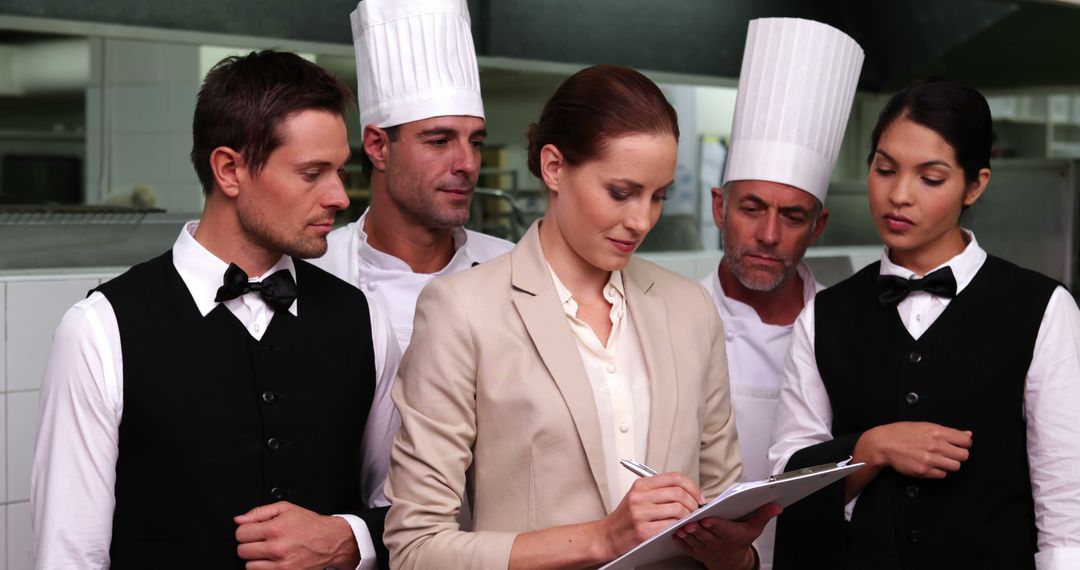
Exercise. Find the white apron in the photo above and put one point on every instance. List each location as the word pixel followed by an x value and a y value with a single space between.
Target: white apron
pixel 756 353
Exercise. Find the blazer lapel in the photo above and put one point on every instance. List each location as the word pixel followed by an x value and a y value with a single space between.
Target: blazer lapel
pixel 650 316
pixel 537 303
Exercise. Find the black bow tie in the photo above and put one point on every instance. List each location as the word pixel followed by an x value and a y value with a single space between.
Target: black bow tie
pixel 278 290
pixel 893 289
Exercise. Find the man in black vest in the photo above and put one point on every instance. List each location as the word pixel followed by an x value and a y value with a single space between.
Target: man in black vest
pixel 226 401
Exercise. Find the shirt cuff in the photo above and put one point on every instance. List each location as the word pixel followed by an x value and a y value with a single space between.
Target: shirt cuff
pixel 363 542
pixel 849 508
pixel 1062 558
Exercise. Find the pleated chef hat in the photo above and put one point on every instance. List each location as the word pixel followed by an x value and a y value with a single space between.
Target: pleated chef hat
pixel 796 87
pixel 414 60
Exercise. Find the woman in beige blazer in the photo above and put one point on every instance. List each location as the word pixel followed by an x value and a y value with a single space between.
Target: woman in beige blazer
pixel 530 376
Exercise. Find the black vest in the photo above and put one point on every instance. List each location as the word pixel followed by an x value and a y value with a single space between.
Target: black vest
pixel 215 423
pixel 966 372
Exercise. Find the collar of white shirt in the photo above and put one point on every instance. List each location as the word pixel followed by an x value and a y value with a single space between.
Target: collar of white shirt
pixel 613 292
pixel 964 265
pixel 384 260
pixel 203 273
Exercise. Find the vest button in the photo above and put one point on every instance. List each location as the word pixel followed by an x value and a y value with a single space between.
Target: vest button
pixel 912 491
pixel 269 397
pixel 911 398
pixel 277 493
pixel 914 357
pixel 913 536
pixel 273 443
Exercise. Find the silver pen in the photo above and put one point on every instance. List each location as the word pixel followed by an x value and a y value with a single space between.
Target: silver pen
pixel 641 470
pixel 638 468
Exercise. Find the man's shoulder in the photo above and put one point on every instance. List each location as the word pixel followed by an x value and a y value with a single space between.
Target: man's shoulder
pixel 341 237
pixel 338 251
pixel 479 285
pixel 674 286
pixel 136 278
pixel 311 276
pixel 487 269
pixel 483 247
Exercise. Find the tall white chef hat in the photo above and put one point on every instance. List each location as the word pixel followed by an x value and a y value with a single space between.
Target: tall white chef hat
pixel 414 60
pixel 796 87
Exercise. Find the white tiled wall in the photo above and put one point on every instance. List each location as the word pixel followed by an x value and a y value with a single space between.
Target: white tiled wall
pixel 18 537
pixel 3 342
pixel 3 455
pixel 30 310
pixel 3 536
pixel 34 309
pixel 22 412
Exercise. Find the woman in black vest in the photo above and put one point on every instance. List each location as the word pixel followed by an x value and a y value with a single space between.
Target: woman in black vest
pixel 954 375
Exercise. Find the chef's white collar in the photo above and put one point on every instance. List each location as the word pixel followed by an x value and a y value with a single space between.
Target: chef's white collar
pixel 387 261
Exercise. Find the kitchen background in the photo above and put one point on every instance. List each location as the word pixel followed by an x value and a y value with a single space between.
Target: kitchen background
pixel 96 101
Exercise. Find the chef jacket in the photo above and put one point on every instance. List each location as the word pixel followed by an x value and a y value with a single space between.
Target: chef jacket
pixel 388 281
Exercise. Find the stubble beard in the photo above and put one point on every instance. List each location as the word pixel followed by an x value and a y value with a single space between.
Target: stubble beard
pixel 260 232
pixel 419 205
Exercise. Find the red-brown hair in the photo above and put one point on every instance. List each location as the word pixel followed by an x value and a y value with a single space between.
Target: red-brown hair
pixel 595 105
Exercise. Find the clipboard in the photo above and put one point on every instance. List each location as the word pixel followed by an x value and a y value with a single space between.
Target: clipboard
pixel 739 502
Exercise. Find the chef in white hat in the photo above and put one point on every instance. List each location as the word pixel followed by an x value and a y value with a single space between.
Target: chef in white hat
pixel 796 88
pixel 423 122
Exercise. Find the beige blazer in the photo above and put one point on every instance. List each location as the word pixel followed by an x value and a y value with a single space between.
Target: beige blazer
pixel 497 411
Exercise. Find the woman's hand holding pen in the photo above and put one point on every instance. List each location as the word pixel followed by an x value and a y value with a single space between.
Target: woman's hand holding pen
pixel 651 505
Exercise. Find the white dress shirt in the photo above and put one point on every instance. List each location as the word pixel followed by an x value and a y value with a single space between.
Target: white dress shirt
pixel 619 379
pixel 1051 403
pixel 756 352
pixel 82 402
pixel 389 281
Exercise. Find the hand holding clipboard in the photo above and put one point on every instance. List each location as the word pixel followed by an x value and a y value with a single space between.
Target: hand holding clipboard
pixel 738 502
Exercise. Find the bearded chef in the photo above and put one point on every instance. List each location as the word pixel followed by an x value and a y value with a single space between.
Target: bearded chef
pixel 796 89
pixel 423 124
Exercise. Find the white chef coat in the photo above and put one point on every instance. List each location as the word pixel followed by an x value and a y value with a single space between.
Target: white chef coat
pixel 82 401
pixel 619 379
pixel 1051 403
pixel 389 281
pixel 756 352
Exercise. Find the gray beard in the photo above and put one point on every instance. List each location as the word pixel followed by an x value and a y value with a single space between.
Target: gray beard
pixel 756 284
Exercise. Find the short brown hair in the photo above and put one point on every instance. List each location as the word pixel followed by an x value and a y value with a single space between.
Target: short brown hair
pixel 244 100
pixel 595 105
